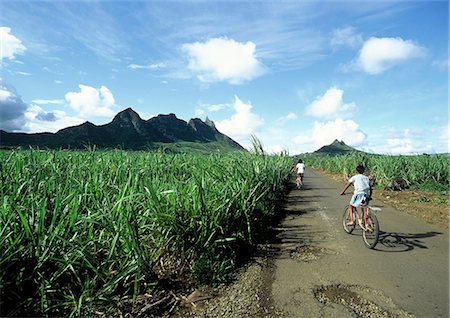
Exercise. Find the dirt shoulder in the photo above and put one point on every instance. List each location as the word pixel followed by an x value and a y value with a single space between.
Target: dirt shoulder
pixel 429 206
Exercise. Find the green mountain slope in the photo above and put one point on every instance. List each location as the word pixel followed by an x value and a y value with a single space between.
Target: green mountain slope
pixel 335 148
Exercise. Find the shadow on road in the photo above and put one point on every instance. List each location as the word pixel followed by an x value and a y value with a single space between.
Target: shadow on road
pixel 402 242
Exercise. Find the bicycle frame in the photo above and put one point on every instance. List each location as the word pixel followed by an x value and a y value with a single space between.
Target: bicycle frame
pixel 369 227
pixel 365 210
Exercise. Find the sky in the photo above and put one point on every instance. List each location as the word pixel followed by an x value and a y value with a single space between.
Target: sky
pixel 295 74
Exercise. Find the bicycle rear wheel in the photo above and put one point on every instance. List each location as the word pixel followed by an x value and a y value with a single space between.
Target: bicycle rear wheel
pixel 345 219
pixel 372 231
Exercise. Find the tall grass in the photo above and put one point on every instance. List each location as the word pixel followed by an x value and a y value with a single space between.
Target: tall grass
pixel 79 228
pixel 420 169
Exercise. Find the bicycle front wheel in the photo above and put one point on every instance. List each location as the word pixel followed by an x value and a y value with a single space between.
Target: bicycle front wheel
pixel 345 220
pixel 371 231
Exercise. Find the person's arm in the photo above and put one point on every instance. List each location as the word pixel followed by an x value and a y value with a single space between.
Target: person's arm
pixel 346 187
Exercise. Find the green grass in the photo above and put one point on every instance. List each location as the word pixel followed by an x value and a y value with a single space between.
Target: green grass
pixel 82 229
pixel 434 187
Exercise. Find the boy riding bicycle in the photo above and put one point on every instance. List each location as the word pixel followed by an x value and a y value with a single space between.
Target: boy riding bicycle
pixel 361 195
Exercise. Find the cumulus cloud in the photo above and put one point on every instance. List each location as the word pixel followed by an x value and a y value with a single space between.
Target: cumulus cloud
pixel 18 116
pixel 380 54
pixel 10 46
pixel 242 123
pixel 90 101
pixel 223 59
pixel 346 37
pixel 38 120
pixel 411 141
pixel 325 133
pixel 331 104
pixel 12 108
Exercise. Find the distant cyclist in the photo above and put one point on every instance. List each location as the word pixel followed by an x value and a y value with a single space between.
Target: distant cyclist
pixel 361 193
pixel 300 170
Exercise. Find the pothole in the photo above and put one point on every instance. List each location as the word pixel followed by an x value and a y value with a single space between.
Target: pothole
pixel 307 253
pixel 350 297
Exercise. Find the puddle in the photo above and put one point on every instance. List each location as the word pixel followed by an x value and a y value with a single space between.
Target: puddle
pixel 307 253
pixel 355 299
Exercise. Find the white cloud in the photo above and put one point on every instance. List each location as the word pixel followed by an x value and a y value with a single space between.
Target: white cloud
pixel 410 141
pixel 443 64
pixel 49 101
pixel 276 149
pixel 223 59
pixel 4 95
pixel 346 37
pixel 325 133
pixel 39 120
pixel 242 123
pixel 12 108
pixel 444 139
pixel 154 66
pixel 18 116
pixel 210 108
pixel 380 54
pixel 217 107
pixel 10 46
pixel 91 101
pixel 284 119
pixel 331 105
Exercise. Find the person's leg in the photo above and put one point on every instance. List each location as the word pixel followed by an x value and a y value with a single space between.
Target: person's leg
pixel 364 209
pixel 350 215
pixel 299 180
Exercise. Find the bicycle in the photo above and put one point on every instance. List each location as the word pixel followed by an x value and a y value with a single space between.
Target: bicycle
pixel 369 225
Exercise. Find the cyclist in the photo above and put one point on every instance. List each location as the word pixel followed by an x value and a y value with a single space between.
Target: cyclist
pixel 300 170
pixel 360 196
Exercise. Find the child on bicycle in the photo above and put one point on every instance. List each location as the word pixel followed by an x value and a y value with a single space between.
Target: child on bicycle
pixel 361 194
pixel 300 170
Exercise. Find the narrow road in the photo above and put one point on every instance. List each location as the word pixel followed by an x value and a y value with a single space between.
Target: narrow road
pixel 313 268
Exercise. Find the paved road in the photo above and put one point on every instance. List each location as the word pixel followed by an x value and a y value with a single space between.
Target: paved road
pixel 317 270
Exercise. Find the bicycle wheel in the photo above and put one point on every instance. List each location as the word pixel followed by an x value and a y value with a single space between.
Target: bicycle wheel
pixel 372 231
pixel 345 219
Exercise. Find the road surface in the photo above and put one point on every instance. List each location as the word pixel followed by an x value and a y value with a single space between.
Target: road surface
pixel 312 268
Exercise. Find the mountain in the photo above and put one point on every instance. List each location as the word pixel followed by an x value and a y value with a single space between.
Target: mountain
pixel 128 131
pixel 335 148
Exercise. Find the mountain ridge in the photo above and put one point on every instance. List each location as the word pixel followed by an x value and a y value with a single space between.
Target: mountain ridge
pixel 127 130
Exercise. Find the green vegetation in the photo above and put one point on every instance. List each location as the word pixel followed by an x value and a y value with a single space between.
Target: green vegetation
pixel 423 171
pixel 434 187
pixel 433 200
pixel 83 228
pixel 194 147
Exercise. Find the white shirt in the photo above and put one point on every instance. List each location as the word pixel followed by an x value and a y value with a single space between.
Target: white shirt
pixel 300 167
pixel 361 183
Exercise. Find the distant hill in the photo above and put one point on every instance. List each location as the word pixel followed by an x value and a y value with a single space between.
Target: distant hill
pixel 335 148
pixel 128 131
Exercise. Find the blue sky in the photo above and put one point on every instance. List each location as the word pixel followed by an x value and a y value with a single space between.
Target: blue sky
pixel 296 74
